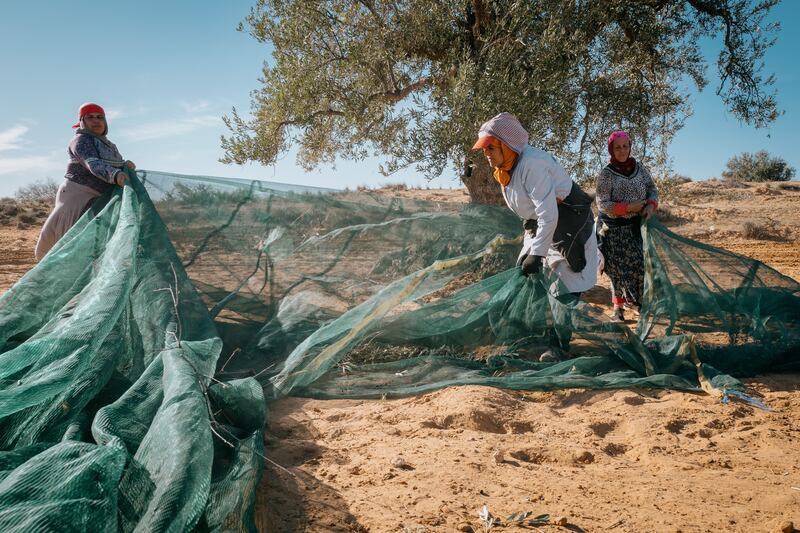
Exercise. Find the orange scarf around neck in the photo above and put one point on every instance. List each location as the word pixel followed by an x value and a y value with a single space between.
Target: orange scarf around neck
pixel 501 173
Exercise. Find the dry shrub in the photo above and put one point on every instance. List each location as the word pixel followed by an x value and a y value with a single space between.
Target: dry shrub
pixel 792 186
pixel 26 218
pixel 8 208
pixel 395 187
pixel 8 211
pixel 767 190
pixel 43 190
pixel 670 185
pixel 23 214
pixel 672 216
pixel 767 231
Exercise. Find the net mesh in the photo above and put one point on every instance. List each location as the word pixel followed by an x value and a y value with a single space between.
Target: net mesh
pixel 137 357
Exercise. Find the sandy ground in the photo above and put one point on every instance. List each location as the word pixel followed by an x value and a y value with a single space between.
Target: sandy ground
pixel 16 254
pixel 621 461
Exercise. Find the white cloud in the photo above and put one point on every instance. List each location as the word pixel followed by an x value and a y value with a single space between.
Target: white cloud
pixel 9 165
pixel 115 113
pixel 11 139
pixel 198 106
pixel 170 128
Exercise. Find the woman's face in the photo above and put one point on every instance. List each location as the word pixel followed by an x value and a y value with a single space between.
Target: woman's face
pixel 621 148
pixel 494 154
pixel 95 122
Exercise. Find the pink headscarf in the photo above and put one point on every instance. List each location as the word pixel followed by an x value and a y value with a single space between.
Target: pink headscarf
pixel 613 137
pixel 626 167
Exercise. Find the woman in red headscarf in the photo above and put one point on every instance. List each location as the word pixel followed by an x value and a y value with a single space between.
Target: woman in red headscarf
pixel 626 194
pixel 95 166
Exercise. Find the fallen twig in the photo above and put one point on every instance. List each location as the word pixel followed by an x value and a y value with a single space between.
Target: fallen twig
pixel 237 350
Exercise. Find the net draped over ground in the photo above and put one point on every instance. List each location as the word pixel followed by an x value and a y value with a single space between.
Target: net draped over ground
pixel 136 359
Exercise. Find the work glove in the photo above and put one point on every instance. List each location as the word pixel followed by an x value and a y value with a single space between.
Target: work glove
pixel 531 264
pixel 530 225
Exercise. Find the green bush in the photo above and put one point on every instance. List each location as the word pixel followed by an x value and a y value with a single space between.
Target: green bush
pixel 758 167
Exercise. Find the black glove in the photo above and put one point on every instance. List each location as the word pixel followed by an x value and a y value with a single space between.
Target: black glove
pixel 531 226
pixel 532 264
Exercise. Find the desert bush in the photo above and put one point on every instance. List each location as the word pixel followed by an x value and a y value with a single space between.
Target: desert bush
pixel 667 215
pixel 40 190
pixel 395 187
pixel 26 218
pixel 789 186
pixel 759 166
pixel 203 195
pixel 768 231
pixel 8 208
pixel 668 185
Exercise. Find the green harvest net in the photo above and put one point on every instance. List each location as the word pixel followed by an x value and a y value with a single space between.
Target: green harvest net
pixel 136 359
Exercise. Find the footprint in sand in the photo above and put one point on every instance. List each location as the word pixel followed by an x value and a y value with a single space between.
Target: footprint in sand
pixel 634 400
pixel 676 426
pixel 601 429
pixel 613 449
pixel 474 419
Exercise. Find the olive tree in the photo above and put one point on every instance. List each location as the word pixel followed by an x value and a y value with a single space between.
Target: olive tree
pixel 412 80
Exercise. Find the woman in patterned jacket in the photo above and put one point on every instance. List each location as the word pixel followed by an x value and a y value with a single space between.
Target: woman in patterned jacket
pixel 95 166
pixel 626 194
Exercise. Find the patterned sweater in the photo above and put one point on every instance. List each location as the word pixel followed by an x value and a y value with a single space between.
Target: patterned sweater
pixel 93 161
pixel 615 191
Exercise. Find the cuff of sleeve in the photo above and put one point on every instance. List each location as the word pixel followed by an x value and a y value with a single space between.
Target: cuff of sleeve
pixel 654 203
pixel 619 209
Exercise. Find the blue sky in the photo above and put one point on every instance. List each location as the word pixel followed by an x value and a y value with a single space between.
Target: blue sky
pixel 167 71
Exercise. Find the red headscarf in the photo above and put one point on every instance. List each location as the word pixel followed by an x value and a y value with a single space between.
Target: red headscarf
pixel 85 109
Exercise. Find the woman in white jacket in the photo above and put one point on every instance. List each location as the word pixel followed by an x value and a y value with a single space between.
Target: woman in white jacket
pixel 556 213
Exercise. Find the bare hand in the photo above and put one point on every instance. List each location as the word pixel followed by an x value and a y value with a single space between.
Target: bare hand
pixel 648 211
pixel 635 207
pixel 121 178
pixel 130 165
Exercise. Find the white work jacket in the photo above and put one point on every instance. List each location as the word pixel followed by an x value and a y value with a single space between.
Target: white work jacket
pixel 537 181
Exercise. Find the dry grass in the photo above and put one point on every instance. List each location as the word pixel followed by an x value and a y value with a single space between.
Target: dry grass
pixel 788 186
pixel 23 214
pixel 42 190
pixel 765 231
pixel 387 187
pixel 669 215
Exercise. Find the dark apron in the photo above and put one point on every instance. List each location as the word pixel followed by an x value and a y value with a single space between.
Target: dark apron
pixel 574 227
pixel 615 222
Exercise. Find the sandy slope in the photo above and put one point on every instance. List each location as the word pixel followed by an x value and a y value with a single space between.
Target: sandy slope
pixel 627 460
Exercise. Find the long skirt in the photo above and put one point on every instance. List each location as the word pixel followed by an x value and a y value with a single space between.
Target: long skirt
pixel 623 259
pixel 72 200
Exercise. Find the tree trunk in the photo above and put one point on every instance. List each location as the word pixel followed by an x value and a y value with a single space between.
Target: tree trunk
pixel 480 184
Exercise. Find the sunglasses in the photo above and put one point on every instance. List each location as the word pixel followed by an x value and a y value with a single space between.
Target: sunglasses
pixel 94 117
